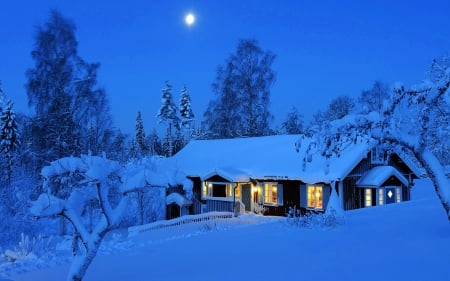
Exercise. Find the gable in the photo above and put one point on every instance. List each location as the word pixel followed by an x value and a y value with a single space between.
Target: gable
pixel 379 176
pixel 216 178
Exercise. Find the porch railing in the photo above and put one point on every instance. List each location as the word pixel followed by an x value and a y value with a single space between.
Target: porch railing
pixel 135 230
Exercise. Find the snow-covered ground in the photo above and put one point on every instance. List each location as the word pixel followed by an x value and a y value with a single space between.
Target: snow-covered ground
pixel 406 241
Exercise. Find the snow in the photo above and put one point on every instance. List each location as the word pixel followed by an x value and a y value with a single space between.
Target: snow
pixel 178 199
pixel 263 157
pixel 47 205
pixel 404 241
pixel 378 175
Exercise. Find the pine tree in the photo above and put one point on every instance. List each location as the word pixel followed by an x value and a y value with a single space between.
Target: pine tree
pixel 155 144
pixel 168 114
pixel 187 116
pixel 140 135
pixel 9 138
pixel 2 98
pixel 167 146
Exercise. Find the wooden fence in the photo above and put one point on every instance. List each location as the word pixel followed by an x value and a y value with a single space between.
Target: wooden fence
pixel 135 230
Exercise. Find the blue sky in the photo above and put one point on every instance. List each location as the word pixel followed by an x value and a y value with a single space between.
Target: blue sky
pixel 323 48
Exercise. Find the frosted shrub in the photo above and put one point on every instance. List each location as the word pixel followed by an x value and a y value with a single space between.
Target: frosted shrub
pixel 259 209
pixel 28 248
pixel 330 219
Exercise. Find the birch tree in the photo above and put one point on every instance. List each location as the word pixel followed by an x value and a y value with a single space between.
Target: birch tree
pixel 242 89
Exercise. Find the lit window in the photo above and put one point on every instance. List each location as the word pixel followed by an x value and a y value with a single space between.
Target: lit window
pixel 368 201
pixel 270 193
pixel 398 195
pixel 315 198
pixel 217 189
pixel 380 197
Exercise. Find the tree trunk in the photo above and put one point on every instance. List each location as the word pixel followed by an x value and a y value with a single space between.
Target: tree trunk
pixel 436 174
pixel 81 262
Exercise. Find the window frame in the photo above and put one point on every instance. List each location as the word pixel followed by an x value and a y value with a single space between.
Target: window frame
pixel 376 156
pixel 208 190
pixel 314 195
pixel 269 194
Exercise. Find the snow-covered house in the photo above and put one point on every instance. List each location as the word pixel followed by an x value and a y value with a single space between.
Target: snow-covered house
pixel 270 174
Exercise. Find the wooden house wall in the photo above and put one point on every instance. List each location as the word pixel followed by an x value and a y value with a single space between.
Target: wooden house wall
pixel 196 207
pixel 353 196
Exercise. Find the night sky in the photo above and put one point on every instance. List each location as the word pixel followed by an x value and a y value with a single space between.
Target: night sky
pixel 323 48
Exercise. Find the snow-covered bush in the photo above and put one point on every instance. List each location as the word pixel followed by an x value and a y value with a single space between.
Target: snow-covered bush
pixel 259 209
pixel 28 248
pixel 327 220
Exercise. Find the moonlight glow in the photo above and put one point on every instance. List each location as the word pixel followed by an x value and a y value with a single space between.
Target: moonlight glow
pixel 189 19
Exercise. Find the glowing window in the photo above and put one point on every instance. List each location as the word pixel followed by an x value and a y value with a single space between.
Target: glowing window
pixel 270 193
pixel 398 197
pixel 217 189
pixel 368 201
pixel 315 197
pixel 380 197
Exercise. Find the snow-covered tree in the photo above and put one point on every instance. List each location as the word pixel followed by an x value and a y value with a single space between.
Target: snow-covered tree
pixel 339 107
pixel 186 113
pixel 242 89
pixel 140 135
pixel 90 178
pixel 9 138
pixel 168 114
pixel 294 122
pixel 62 88
pixel 2 98
pixel 104 184
pixel 155 144
pixel 415 119
pixel 374 98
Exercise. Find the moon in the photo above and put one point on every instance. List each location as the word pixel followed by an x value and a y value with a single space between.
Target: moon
pixel 189 19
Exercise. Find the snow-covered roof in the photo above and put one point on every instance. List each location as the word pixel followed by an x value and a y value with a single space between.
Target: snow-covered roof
pixel 410 160
pixel 178 199
pixel 379 175
pixel 272 157
pixel 229 173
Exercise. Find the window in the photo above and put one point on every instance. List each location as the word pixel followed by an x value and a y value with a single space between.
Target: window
pixel 217 189
pixel 270 193
pixel 377 156
pixel 380 197
pixel 398 195
pixel 315 197
pixel 368 198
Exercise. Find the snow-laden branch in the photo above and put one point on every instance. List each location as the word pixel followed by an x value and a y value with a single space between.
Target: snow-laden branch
pixel 416 119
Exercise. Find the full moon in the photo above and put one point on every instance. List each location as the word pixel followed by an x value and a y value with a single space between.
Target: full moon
pixel 189 19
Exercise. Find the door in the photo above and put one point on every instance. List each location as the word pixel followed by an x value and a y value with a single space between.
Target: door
pixel 247 197
pixel 390 194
